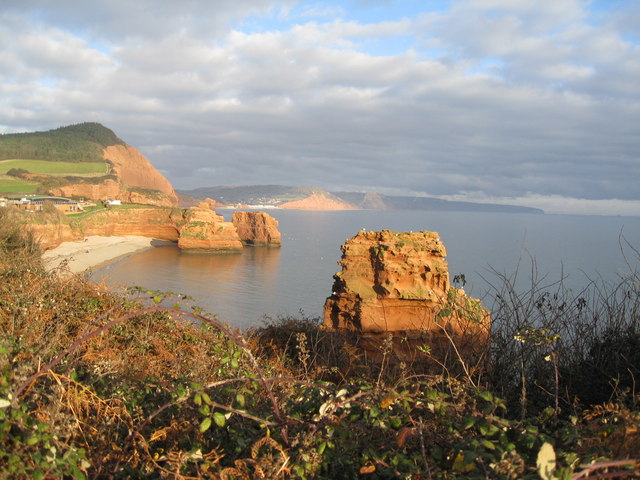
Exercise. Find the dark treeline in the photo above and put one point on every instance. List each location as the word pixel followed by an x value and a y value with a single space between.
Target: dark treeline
pixel 75 143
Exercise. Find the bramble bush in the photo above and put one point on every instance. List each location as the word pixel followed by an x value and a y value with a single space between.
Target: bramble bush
pixel 99 385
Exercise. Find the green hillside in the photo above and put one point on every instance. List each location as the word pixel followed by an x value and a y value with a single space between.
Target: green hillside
pixel 16 185
pixel 44 167
pixel 82 142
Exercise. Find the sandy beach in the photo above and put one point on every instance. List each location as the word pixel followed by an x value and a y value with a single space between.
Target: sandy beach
pixel 93 252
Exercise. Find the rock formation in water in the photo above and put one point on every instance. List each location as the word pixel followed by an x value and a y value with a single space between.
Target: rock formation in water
pixel 398 282
pixel 205 230
pixel 318 201
pixel 257 228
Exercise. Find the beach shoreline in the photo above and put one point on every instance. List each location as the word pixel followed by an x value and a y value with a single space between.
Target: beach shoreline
pixel 93 252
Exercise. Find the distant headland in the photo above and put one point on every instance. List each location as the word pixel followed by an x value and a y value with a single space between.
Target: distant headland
pixel 315 198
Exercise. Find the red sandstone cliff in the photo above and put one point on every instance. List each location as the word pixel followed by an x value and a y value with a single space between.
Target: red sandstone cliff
pixel 257 228
pixel 194 229
pixel 134 170
pixel 393 281
pixel 318 201
pixel 137 181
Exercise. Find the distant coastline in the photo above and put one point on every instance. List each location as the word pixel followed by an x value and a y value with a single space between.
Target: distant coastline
pixel 315 198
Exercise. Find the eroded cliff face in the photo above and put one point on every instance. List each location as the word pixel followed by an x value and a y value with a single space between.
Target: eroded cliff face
pixel 169 224
pixel 398 282
pixel 137 181
pixel 50 235
pixel 134 170
pixel 257 228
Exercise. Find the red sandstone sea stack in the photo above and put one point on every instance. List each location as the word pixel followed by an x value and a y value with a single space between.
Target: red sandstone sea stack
pixel 399 282
pixel 257 228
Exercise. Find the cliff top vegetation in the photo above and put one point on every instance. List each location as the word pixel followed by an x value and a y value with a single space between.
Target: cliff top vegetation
pixel 74 143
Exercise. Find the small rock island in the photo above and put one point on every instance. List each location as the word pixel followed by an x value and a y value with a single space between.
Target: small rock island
pixel 394 282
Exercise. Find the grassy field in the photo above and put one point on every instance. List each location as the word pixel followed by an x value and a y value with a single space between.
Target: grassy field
pixel 81 169
pixel 15 185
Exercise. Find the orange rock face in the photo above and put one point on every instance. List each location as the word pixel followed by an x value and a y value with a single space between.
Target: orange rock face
pixel 194 229
pixel 205 230
pixel 51 235
pixel 134 170
pixel 393 282
pixel 160 223
pixel 257 228
pixel 318 201
pixel 137 181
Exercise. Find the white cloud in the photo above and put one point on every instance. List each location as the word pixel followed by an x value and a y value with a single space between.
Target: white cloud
pixel 491 99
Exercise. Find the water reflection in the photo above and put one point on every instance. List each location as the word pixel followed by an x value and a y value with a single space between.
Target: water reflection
pixel 238 287
pixel 242 287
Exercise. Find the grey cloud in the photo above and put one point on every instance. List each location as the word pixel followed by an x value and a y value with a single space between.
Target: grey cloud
pixel 209 105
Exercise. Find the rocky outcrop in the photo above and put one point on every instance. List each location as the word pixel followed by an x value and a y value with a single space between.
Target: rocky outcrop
pixel 398 282
pixel 318 201
pixel 205 230
pixel 207 203
pixel 49 235
pixel 257 228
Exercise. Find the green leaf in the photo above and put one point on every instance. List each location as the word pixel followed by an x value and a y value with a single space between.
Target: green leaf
pixel 241 400
pixel 197 399
pixel 205 398
pixel 467 422
pixel 157 299
pixel 205 424
pixel 487 444
pixel 219 418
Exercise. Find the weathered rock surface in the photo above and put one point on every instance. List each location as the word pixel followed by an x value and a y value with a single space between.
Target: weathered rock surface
pixel 318 201
pixel 194 229
pixel 50 235
pixel 134 170
pixel 208 203
pixel 137 181
pixel 205 230
pixel 393 282
pixel 257 228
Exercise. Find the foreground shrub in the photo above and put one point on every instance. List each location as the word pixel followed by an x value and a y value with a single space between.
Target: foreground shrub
pixel 96 385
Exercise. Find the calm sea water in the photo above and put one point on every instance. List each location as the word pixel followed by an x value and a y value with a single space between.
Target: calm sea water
pixel 242 288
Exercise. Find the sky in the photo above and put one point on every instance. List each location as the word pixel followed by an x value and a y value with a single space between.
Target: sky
pixel 526 102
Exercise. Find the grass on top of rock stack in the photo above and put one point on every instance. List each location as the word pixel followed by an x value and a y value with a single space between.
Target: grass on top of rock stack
pixel 98 385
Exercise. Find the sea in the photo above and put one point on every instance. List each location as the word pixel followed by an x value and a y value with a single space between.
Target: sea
pixel 249 288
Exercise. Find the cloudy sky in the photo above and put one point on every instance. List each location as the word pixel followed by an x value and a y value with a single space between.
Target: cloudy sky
pixel 532 102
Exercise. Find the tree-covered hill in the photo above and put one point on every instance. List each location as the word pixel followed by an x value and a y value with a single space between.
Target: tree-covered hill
pixel 75 143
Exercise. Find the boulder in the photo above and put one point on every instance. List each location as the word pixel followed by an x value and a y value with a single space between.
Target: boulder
pixel 257 228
